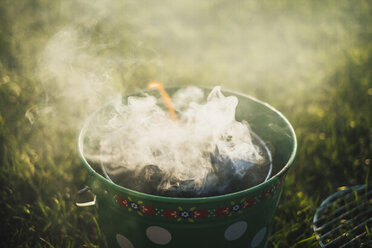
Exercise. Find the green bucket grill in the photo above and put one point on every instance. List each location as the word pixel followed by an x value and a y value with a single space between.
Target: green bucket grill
pixel 131 219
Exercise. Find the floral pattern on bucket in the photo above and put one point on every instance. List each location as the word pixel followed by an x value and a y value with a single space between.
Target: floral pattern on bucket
pixel 194 214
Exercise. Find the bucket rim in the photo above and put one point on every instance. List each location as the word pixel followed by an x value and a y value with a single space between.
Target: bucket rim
pixel 204 199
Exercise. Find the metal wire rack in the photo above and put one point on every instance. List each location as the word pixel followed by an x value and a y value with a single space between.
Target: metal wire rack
pixel 344 219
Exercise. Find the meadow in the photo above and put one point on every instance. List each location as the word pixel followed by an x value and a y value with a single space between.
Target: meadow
pixel 59 61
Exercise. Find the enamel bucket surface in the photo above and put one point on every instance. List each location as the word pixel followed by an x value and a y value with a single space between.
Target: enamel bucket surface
pixel 131 219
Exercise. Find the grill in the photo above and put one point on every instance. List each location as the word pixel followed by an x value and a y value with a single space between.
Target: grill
pixel 344 219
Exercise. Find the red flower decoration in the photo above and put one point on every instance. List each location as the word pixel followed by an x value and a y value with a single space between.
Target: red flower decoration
pixel 148 210
pixel 222 211
pixel 200 214
pixel 170 214
pixel 122 201
pixel 248 203
pixel 264 195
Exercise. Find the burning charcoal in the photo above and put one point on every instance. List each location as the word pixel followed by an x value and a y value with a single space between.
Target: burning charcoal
pixel 150 178
pixel 183 188
pixel 246 176
pixel 222 166
pixel 239 173
pixel 200 151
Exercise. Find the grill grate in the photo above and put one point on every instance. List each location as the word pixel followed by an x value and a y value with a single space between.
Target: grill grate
pixel 344 219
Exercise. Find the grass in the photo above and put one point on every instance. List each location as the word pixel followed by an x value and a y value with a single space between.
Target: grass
pixel 311 60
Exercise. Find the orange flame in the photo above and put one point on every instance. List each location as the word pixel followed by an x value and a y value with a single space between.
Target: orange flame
pixel 167 100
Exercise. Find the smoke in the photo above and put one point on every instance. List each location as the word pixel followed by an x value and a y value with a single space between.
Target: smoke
pixel 74 73
pixel 201 153
pixel 82 53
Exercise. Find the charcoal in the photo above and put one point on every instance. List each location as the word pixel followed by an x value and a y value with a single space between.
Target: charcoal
pixel 226 176
pixel 205 151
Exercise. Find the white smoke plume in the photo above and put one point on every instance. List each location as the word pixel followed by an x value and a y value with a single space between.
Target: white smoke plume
pixel 202 152
pixel 80 53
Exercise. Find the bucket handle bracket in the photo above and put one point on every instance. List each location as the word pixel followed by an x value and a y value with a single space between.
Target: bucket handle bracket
pixel 85 204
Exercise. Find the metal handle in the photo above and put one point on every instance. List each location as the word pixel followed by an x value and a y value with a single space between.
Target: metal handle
pixel 85 204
